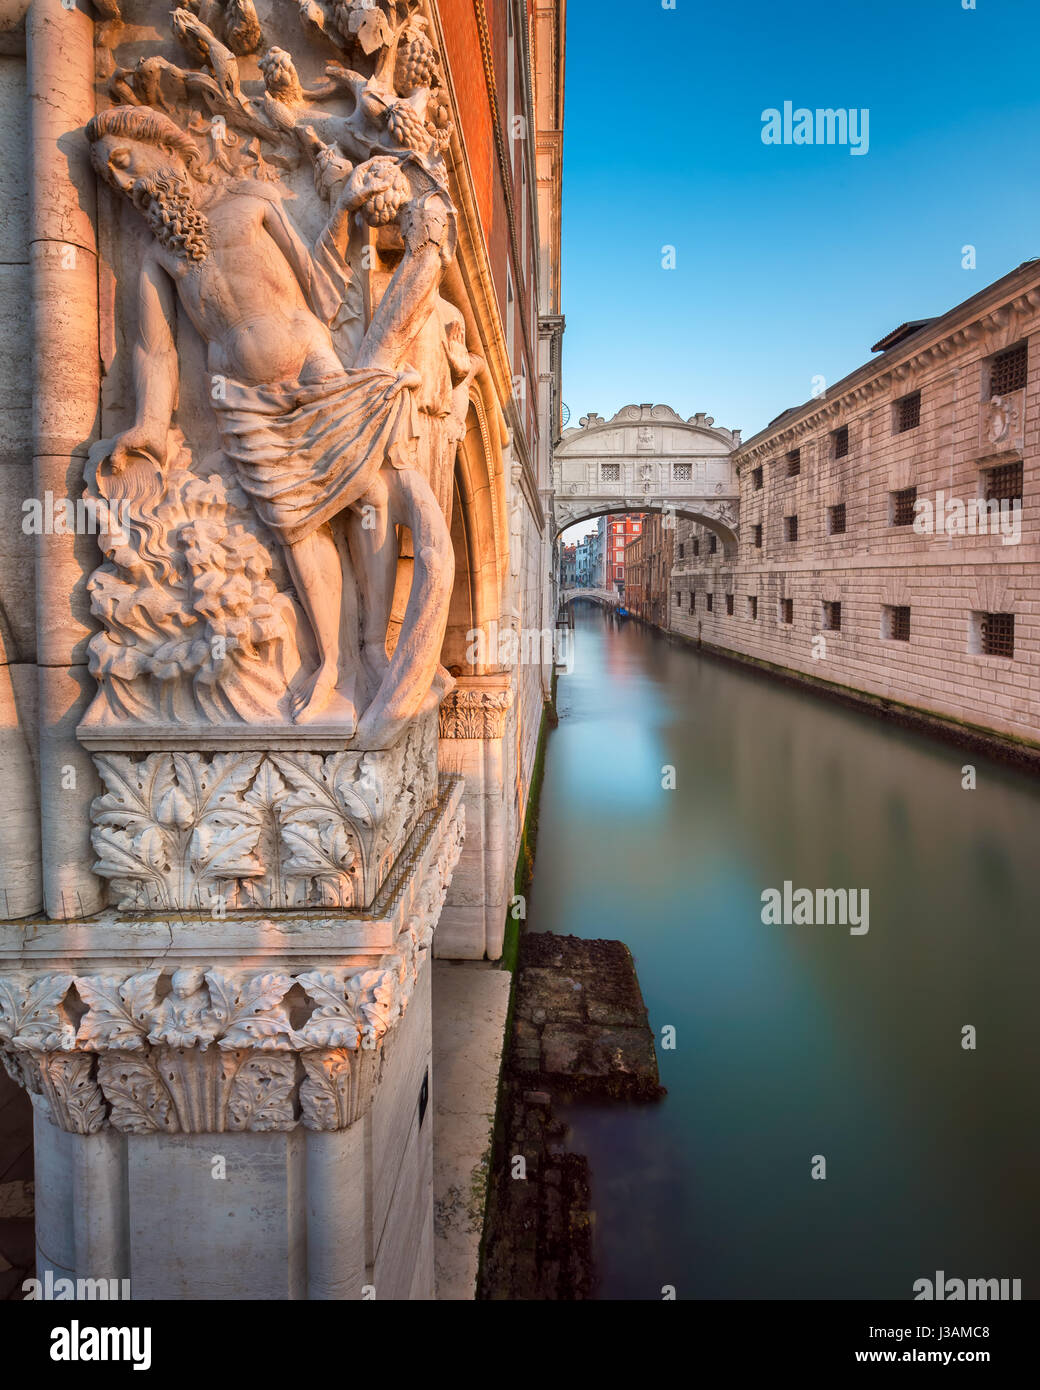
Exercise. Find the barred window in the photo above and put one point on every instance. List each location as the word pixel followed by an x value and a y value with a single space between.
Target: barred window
pixel 678 599
pixel 1004 484
pixel 709 602
pixel 682 472
pixel 752 606
pixel 696 548
pixel 836 519
pixel 693 600
pixel 713 543
pixel 794 463
pixel 610 472
pixel 756 479
pixel 756 534
pixel 1007 371
pixel 901 507
pixel 840 436
pixel 682 549
pixel 896 624
pixel 908 412
pixel 729 605
pixel 787 610
pixel 832 617
pixel 997 634
pixel 790 528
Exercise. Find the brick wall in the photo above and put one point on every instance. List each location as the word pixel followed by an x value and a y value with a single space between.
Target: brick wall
pixel 875 565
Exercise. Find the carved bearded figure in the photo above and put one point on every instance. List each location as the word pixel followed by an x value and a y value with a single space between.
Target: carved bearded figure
pixel 312 440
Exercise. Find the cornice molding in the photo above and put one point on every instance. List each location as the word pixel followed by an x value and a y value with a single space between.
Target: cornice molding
pixel 998 312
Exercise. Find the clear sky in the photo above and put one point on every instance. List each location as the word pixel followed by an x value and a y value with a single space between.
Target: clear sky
pixel 791 260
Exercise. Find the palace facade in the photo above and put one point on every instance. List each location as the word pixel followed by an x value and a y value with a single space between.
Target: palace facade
pixel 888 529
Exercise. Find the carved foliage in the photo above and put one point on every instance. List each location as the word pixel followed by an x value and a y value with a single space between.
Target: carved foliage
pixel 251 829
pixel 474 713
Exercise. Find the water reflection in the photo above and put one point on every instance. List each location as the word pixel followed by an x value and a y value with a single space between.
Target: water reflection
pixel 794 1041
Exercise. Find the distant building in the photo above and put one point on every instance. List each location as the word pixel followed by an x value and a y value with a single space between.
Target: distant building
pixel 584 561
pixel 648 568
pixel 615 532
pixel 888 531
pixel 568 566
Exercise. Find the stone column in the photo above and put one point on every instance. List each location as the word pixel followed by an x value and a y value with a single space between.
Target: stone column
pixel 473 717
pixel 66 379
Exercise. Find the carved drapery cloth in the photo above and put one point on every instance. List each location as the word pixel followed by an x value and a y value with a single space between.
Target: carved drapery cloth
pixel 191 1050
pixel 291 175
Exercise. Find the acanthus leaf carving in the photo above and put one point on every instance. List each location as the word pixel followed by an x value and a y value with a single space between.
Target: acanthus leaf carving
pixel 118 1012
pixel 32 1012
pixel 252 829
pixel 139 1101
pixel 337 1086
pixel 67 1080
pixel 335 1021
pixel 247 1011
pixel 261 1094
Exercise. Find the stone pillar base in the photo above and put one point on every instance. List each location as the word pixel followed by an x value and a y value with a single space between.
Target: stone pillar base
pixel 236 1108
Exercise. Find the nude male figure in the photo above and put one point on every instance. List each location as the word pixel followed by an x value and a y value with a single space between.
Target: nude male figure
pixel 311 438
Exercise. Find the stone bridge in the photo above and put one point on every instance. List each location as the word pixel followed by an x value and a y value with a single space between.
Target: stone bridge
pixel 647 458
pixel 604 596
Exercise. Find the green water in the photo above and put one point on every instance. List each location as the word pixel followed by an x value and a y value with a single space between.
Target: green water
pixel 797 1041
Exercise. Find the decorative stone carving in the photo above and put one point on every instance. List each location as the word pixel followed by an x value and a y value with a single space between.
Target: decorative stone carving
pixel 475 713
pixel 253 574
pixel 233 831
pixel 185 1049
pixel 1000 422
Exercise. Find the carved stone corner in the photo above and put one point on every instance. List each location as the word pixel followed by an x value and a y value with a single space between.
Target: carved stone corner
pixel 191 1048
pixel 259 828
pixel 477 707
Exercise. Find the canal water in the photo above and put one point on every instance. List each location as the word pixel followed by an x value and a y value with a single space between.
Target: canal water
pixel 797 1042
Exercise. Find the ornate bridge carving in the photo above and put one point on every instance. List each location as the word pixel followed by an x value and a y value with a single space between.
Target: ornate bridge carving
pixel 648 458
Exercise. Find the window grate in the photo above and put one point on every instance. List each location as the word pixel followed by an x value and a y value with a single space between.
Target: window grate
pixel 841 441
pixel 752 606
pixel 1007 371
pixel 756 479
pixel 1004 483
pixel 832 617
pixel 898 626
pixel 713 544
pixel 696 549
pixel 709 602
pixel 787 610
pixel 998 634
pixel 836 519
pixel 729 605
pixel 790 528
pixel 903 506
pixel 908 412
pixel 756 532
pixel 682 472
pixel 693 600
pixel 794 463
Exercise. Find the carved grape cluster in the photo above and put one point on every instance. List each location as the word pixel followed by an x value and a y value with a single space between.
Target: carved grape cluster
pixel 415 65
pixel 385 205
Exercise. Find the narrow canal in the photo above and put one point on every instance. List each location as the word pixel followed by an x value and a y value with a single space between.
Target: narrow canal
pixel 797 1041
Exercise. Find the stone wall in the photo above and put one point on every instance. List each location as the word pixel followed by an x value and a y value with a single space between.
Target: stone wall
pixel 873 565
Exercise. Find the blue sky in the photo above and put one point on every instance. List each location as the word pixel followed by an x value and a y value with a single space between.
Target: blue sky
pixel 790 260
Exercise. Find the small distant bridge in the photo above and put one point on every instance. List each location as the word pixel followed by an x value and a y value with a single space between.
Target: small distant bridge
pixel 604 596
